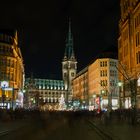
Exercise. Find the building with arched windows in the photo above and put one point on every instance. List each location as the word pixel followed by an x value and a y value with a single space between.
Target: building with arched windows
pixel 44 93
pixel 129 52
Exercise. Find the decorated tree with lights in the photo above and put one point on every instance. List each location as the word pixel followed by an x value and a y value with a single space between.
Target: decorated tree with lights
pixel 62 105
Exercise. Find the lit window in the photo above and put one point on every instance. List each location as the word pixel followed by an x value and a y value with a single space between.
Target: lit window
pixel 106 63
pixel 39 87
pixel 101 73
pixel 100 64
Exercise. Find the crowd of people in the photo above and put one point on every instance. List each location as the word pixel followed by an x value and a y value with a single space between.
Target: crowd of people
pixel 120 115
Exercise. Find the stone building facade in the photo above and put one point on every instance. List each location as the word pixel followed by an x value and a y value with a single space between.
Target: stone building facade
pixel 11 70
pixel 129 52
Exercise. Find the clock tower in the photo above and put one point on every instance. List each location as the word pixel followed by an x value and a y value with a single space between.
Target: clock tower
pixel 69 65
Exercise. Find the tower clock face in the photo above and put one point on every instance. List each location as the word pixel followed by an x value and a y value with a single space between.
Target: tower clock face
pixel 4 84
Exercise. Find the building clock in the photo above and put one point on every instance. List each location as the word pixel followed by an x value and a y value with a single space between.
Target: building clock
pixel 4 84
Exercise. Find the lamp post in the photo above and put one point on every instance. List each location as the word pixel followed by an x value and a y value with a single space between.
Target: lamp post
pixel 84 106
pixel 133 88
pixel 12 98
pixel 3 97
pixel 103 93
pixel 94 96
pixel 109 98
pixel 120 86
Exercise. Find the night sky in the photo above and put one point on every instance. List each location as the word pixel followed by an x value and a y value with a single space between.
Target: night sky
pixel 43 27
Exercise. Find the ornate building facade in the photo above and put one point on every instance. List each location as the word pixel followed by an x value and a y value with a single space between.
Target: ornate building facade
pixel 129 52
pixel 11 70
pixel 44 93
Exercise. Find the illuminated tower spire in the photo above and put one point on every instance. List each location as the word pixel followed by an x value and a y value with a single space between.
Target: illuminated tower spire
pixel 69 64
pixel 69 52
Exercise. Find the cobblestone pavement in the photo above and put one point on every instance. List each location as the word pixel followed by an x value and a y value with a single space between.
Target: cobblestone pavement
pixel 119 130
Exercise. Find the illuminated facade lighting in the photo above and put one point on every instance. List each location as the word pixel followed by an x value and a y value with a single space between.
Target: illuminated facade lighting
pixel 11 67
pixel 129 51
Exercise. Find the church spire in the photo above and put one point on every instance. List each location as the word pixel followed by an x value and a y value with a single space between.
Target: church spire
pixel 69 52
pixel 69 65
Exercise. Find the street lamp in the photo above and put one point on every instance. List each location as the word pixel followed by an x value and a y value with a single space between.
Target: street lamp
pixel 103 94
pixel 3 97
pixel 84 104
pixel 94 96
pixel 120 85
pixel 109 98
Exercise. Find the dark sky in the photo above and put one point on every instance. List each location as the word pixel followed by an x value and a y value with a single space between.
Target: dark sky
pixel 43 26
